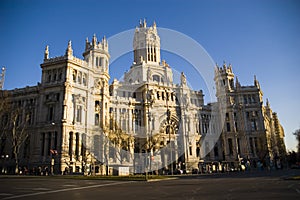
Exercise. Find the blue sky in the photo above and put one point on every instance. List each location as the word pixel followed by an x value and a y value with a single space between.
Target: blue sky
pixel 257 37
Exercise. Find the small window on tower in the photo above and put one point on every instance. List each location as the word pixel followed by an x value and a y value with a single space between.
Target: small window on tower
pixel 96 61
pixel 156 78
pixel 101 62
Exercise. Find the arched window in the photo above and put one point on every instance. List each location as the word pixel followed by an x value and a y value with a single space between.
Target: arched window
pixel 156 78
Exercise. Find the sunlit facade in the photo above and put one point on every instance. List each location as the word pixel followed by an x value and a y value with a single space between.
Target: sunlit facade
pixel 82 123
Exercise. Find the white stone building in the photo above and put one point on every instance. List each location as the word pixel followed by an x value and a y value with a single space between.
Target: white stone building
pixel 81 123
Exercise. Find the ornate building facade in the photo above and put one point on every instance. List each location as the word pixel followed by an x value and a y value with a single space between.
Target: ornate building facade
pixel 78 122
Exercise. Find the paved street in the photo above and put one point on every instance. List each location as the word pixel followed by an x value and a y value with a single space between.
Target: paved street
pixel 253 185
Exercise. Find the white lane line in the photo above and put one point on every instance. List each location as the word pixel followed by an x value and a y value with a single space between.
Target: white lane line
pixel 64 190
pixel 5 194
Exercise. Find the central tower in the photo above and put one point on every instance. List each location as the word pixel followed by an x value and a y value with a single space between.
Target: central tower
pixel 146 44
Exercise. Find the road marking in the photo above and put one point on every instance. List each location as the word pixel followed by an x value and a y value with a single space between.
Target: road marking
pixel 66 189
pixel 5 194
pixel 41 189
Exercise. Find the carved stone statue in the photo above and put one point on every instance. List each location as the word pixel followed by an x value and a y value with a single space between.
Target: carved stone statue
pixel 182 79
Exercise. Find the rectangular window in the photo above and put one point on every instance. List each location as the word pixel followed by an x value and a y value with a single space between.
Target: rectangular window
pixel 227 116
pixel 230 146
pixel 245 99
pixel 228 126
pixel 256 145
pixel 55 140
pixel 79 114
pixel 77 145
pixel 251 146
pixel 253 125
pixel 74 76
pixel 191 152
pixel 96 119
pixel 70 144
pixel 79 78
pixel 247 115
pixel 111 124
pixel 101 62
pixel 42 144
pixel 216 151
pixel 50 113
pixel 84 79
pixel 49 143
pixel 83 145
pixel 57 96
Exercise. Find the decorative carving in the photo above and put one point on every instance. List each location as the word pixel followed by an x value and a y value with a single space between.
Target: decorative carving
pixel 182 79
pixel 149 75
pixel 98 83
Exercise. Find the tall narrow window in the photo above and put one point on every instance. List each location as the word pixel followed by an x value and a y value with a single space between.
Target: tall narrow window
pixel 79 114
pixel 84 79
pixel 42 144
pixel 77 145
pixel 79 77
pixel 97 61
pixel 70 144
pixel 228 126
pixel 256 145
pixel 50 113
pixel 83 145
pixel 101 62
pixel 60 75
pixel 55 140
pixel 97 119
pixel 216 151
pixel 251 145
pixel 74 75
pixel 230 146
pixel 49 144
pixel 253 125
pixel 191 152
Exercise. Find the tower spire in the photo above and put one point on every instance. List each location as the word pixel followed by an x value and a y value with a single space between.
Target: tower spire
pixel 94 41
pixel 69 51
pixel 237 83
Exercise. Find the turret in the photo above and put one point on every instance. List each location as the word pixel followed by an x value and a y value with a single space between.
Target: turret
pixel 146 44
pixel 96 53
pixel 224 78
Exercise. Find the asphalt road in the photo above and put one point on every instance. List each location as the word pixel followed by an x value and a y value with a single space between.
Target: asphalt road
pixel 258 185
